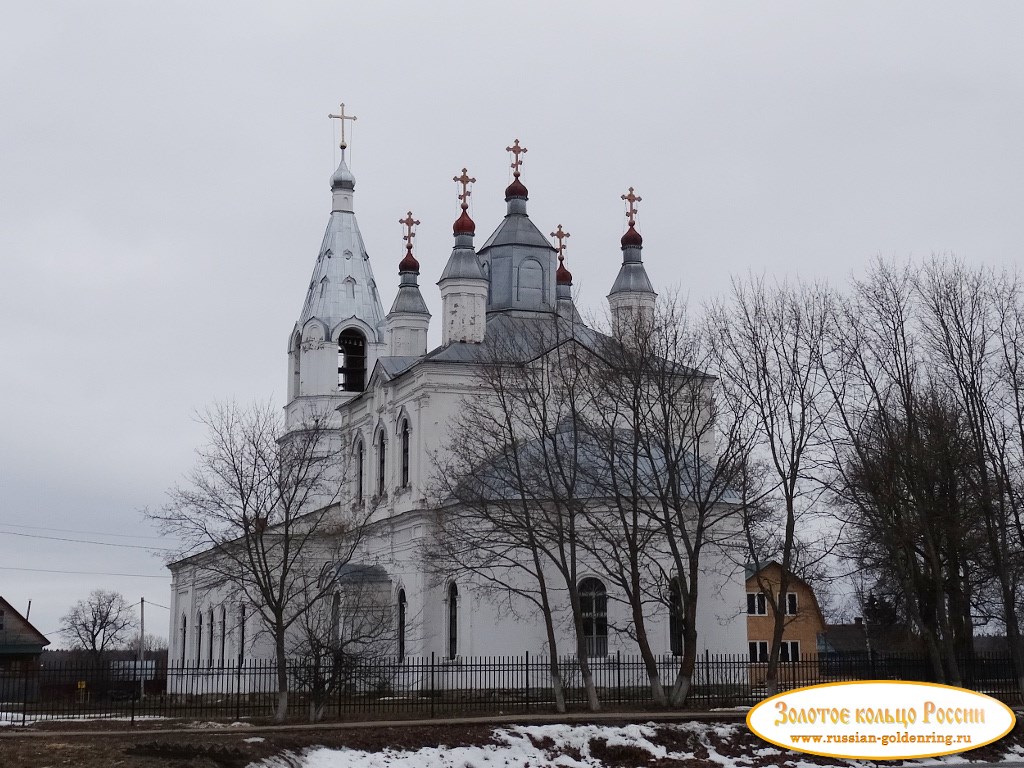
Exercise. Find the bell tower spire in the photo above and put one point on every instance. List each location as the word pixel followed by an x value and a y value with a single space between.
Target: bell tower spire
pixel 463 283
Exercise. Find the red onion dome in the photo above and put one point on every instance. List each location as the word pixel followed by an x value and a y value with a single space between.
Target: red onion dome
pixel 632 237
pixel 409 263
pixel 516 189
pixel 464 225
pixel 563 276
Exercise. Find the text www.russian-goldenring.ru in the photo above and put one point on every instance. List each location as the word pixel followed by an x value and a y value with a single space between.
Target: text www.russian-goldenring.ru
pixel 948 739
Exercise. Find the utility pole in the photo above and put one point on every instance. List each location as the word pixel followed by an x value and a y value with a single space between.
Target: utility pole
pixel 142 649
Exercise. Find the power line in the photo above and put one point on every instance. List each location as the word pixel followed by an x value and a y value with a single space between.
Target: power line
pixel 82 573
pixel 72 530
pixel 83 541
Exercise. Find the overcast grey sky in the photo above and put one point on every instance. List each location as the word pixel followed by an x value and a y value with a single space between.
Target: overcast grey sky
pixel 164 189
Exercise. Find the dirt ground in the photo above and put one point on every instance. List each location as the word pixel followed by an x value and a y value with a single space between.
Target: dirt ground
pixel 225 746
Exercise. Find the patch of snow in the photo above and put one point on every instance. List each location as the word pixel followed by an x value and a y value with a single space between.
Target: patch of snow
pixel 254 740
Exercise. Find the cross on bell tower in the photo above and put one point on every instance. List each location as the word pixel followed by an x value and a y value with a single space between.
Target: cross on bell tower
pixel 342 117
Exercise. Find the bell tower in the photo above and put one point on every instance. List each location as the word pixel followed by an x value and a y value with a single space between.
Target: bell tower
pixel 340 332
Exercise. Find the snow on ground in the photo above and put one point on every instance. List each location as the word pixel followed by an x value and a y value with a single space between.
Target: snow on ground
pixel 584 746
pixel 14 718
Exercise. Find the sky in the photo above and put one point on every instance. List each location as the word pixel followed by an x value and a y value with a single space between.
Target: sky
pixel 164 189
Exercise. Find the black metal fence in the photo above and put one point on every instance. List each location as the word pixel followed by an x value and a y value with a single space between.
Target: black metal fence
pixel 347 689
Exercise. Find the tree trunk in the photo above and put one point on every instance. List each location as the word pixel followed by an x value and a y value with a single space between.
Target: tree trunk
pixel 281 713
pixel 684 676
pixel 650 663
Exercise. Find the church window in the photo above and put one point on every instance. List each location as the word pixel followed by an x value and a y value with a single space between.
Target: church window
pixel 199 637
pixel 453 621
pixel 336 621
pixel 360 469
pixel 350 288
pixel 223 632
pixel 324 284
pixel 241 634
pixel 594 609
pixel 405 453
pixel 209 649
pixel 351 361
pixel 382 462
pixel 401 624
pixel 676 619
pixel 530 289
pixel 184 635
pixel 296 358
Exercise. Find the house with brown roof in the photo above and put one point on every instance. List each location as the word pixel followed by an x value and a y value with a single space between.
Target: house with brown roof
pixel 20 642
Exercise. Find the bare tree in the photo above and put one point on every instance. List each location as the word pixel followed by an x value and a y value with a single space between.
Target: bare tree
pixel 768 344
pixel 346 642
pixel 512 500
pixel 670 456
pixel 261 513
pixel 102 622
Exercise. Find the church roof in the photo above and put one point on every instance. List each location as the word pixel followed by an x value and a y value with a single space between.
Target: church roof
pixel 517 230
pixel 587 446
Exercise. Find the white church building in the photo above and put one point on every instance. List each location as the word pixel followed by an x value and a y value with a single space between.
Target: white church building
pixel 395 399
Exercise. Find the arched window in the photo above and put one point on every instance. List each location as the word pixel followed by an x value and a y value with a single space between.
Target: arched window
pixel 405 453
pixel 453 621
pixel 351 361
pixel 594 609
pixel 199 637
pixel 209 647
pixel 296 361
pixel 401 624
pixel 676 619
pixel 530 287
pixel 223 632
pixel 382 461
pixel 241 634
pixel 360 469
pixel 184 635
pixel 336 621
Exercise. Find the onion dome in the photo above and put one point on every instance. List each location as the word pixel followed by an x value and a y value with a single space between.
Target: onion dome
pixel 632 238
pixel 563 276
pixel 464 225
pixel 516 189
pixel 343 178
pixel 409 263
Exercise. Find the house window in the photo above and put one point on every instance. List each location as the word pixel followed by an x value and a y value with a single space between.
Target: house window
pixel 757 604
pixel 351 361
pixel 401 624
pixel 594 610
pixel 453 621
pixel 360 452
pixel 381 462
pixel 791 604
pixel 184 636
pixel 758 650
pixel 676 619
pixel 405 453
pixel 241 634
pixel 1 619
pixel 790 650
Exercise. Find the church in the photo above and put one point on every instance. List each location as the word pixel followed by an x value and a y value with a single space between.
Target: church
pixel 394 400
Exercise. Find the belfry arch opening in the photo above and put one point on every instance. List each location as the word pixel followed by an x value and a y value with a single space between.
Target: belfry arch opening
pixel 351 361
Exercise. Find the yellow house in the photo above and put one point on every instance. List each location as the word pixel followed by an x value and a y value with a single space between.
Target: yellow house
pixel 803 621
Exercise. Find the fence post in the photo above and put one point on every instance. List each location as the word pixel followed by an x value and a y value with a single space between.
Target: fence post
pixel 527 681
pixel 238 690
pixel 431 683
pixel 618 675
pixel 24 695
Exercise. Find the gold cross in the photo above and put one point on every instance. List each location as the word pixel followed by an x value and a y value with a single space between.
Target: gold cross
pixel 343 117
pixel 561 236
pixel 465 181
pixel 409 223
pixel 632 199
pixel 517 161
